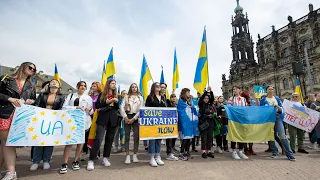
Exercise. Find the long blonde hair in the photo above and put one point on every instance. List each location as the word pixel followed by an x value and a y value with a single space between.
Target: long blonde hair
pixel 130 90
pixel 20 71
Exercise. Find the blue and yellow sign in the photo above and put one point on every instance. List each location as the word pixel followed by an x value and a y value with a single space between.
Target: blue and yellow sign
pixel 158 123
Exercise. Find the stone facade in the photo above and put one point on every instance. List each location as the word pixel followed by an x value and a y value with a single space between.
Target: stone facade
pixel 275 52
pixel 39 79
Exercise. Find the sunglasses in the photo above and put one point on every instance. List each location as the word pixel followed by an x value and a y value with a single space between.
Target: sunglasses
pixel 32 69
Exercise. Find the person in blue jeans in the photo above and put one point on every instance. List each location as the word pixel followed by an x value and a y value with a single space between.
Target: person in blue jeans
pixel 154 99
pixel 271 100
pixel 51 99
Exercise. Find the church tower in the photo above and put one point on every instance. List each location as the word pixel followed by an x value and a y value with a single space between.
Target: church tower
pixel 241 43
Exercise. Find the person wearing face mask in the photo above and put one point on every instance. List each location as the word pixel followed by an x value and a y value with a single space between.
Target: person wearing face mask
pixel 51 99
pixel 78 100
pixel 15 89
pixel 129 109
pixel 107 122
pixel 170 155
pixel 271 100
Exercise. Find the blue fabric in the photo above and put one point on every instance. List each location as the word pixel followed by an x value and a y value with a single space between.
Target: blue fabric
pixel 42 153
pixel 264 102
pixel 187 120
pixel 154 147
pixel 251 114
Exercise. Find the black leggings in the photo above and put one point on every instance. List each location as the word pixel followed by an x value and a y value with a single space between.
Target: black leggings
pixel 185 146
pixel 222 141
pixel 240 145
pixel 246 147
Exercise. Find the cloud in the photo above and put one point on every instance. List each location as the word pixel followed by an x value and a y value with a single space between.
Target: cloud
pixel 78 35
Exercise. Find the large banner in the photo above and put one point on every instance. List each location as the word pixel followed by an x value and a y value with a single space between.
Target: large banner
pixel 259 91
pixel 158 123
pixel 300 116
pixel 34 126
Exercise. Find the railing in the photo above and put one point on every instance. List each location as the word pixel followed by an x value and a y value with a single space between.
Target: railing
pixel 283 29
pixel 302 19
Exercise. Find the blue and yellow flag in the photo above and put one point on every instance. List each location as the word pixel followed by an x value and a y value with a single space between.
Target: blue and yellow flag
pixel 163 81
pixel 175 77
pixel 110 68
pixel 145 77
pixel 104 75
pixel 251 124
pixel 56 74
pixel 298 89
pixel 202 75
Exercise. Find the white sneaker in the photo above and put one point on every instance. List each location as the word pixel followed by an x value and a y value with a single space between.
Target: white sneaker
pixel 128 160
pixel 171 157
pixel 315 146
pixel 159 161
pixel 34 167
pixel 90 166
pixel 242 156
pixel 235 155
pixel 162 142
pixel 153 162
pixel 106 162
pixel 220 151
pixel 135 158
pixel 10 176
pixel 46 166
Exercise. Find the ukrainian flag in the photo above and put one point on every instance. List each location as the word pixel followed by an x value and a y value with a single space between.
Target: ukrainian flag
pixel 104 75
pixel 110 68
pixel 298 89
pixel 145 77
pixel 251 124
pixel 202 75
pixel 163 81
pixel 175 77
pixel 56 74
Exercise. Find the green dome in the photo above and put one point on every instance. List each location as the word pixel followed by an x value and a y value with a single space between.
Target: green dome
pixel 238 9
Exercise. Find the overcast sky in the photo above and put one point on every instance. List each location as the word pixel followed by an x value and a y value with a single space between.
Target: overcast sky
pixel 78 35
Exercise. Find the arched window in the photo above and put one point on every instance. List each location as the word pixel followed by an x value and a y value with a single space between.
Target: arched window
pixel 285 83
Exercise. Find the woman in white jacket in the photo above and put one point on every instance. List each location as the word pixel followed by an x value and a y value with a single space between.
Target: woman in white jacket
pixel 78 100
pixel 129 110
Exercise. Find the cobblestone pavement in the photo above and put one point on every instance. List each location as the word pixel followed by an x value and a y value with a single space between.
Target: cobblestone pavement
pixel 222 167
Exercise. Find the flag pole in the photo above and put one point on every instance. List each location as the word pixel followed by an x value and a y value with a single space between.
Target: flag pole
pixel 207 55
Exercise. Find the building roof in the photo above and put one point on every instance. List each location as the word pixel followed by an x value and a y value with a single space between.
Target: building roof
pixel 39 76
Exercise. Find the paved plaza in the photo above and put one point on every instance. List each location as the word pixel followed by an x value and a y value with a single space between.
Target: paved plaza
pixel 220 168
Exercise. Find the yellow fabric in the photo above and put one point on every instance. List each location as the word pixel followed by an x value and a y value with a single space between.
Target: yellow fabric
pixel 250 133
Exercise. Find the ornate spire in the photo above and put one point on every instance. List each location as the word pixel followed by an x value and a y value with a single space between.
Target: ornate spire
pixel 238 9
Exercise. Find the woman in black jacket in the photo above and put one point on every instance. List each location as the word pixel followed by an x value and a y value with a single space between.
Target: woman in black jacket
pixel 206 124
pixel 108 119
pixel 51 99
pixel 15 89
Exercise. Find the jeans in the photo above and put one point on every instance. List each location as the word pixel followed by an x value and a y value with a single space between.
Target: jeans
pixel 279 129
pixel 127 130
pixel 119 135
pixel 314 138
pixel 42 153
pixel 293 134
pixel 100 133
pixel 145 143
pixel 154 147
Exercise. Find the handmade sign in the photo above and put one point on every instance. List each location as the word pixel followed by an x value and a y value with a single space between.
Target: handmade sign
pixel 34 126
pixel 259 91
pixel 158 123
pixel 300 116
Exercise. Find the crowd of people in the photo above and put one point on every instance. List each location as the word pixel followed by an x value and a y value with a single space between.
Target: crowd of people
pixel 118 116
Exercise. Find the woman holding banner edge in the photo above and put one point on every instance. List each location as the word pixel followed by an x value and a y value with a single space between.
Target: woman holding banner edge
pixel 154 99
pixel 15 90
pixel 50 99
pixel 271 100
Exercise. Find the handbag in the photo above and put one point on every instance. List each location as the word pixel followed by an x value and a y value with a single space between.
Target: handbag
pixel 127 106
pixel 203 126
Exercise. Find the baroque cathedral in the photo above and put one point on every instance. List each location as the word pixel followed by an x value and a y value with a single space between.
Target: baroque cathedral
pixel 277 54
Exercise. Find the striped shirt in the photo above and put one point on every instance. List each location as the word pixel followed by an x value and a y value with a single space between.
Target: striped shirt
pixel 237 101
